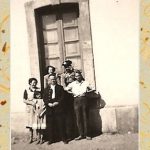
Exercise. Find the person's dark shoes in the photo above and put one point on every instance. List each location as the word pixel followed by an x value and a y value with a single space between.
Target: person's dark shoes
pixel 88 138
pixel 49 143
pixel 78 138
pixel 70 139
pixel 31 141
pixel 65 141
pixel 42 141
pixel 38 142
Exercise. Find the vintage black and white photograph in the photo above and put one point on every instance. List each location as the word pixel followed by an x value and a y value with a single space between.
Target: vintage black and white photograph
pixel 74 74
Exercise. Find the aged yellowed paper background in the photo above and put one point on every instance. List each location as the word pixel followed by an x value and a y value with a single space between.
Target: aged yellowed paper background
pixel 4 75
pixel 145 75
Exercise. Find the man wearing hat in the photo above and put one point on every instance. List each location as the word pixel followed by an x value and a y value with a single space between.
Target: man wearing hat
pixel 68 76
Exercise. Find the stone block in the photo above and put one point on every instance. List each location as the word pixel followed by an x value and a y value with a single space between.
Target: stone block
pixel 18 122
pixel 127 119
pixel 108 116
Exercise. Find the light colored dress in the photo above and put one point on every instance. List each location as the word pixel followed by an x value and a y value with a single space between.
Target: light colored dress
pixel 34 120
pixel 40 117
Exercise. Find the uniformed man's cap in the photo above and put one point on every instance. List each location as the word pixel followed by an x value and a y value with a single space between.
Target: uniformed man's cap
pixel 67 63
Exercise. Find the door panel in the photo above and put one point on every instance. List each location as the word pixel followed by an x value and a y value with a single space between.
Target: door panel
pixel 49 21
pixel 69 19
pixel 52 51
pixel 50 36
pixel 51 41
pixel 71 39
pixel 72 49
pixel 71 34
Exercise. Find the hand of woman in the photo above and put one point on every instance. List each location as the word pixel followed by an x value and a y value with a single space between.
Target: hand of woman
pixel 55 103
pixel 50 104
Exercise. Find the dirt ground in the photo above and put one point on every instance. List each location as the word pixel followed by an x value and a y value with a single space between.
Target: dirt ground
pixel 102 142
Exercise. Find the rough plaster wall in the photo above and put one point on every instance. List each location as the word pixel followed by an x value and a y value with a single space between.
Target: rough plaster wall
pixel 115 34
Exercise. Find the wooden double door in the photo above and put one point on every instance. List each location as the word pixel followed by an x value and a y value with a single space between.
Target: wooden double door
pixel 58 36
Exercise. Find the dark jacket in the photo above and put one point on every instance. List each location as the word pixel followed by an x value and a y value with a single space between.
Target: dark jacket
pixel 59 97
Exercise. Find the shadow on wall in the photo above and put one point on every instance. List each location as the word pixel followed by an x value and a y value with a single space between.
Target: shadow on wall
pixel 95 103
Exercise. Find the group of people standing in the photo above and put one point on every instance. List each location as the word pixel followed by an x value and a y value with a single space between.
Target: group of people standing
pixel 60 107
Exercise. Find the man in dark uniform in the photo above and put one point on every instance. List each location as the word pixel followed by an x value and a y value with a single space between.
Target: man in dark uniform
pixel 53 98
pixel 67 77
